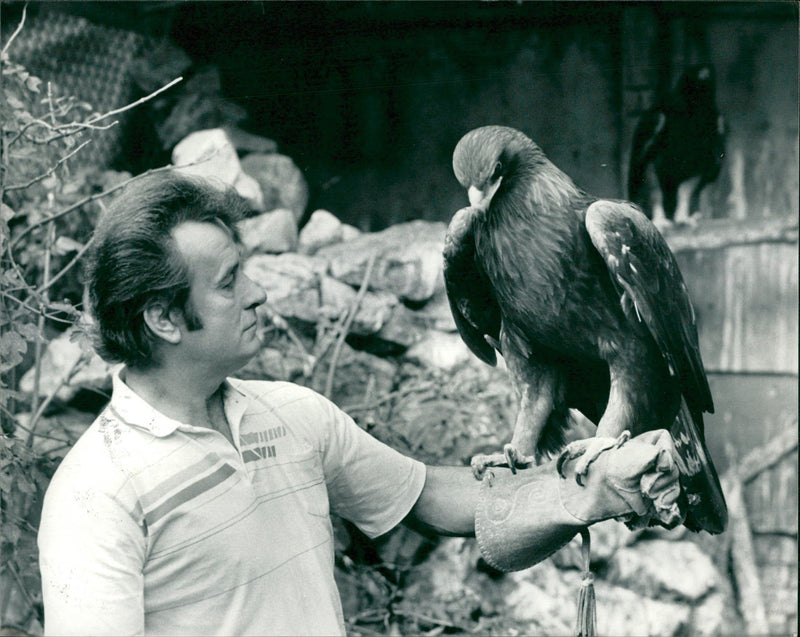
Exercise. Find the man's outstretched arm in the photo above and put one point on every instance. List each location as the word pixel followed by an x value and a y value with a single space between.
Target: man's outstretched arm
pixel 522 518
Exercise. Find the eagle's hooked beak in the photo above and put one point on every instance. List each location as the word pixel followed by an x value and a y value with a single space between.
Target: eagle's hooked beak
pixel 481 199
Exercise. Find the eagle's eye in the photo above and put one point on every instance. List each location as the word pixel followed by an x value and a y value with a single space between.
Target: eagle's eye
pixel 498 169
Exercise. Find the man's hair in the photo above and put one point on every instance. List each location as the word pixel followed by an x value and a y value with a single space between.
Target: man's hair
pixel 135 262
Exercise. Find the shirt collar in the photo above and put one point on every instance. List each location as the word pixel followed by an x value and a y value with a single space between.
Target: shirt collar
pixel 136 411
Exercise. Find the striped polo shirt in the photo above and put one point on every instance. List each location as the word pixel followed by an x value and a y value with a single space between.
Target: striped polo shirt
pixel 152 526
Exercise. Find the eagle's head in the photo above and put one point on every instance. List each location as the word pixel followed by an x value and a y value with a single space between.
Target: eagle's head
pixel 485 156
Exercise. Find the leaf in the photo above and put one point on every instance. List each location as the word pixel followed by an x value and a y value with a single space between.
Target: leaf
pixel 81 335
pixel 30 331
pixel 33 83
pixel 12 350
pixel 6 212
pixel 15 103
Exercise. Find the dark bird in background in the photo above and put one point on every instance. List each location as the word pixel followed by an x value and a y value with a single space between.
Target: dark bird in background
pixel 584 300
pixel 677 149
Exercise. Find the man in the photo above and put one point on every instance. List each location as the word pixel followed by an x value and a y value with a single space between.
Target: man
pixel 199 504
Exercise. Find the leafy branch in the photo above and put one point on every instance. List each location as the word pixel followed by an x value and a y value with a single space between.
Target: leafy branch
pixel 47 208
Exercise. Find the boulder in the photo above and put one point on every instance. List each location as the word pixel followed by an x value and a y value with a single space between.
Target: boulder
pixel 374 309
pixel 716 615
pixel 281 182
pixel 322 229
pixel 270 232
pixel 408 259
pixel 67 368
pixel 436 313
pixel 210 154
pixel 663 569
pixel 350 232
pixel 621 611
pixel 439 349
pixel 291 282
pixel 543 598
pixel 546 597
pixel 297 288
pixel 400 331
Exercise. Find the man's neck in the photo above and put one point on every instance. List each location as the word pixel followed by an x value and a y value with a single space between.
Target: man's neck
pixel 179 393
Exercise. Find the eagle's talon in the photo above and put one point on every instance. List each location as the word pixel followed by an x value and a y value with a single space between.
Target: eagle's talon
pixel 588 451
pixel 622 439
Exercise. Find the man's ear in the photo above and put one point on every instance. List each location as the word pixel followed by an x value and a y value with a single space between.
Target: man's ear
pixel 163 323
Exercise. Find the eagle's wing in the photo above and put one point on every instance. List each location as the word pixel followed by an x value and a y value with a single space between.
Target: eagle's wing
pixel 652 291
pixel 469 291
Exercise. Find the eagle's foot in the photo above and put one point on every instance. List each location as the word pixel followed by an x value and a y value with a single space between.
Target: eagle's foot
pixel 510 457
pixel 588 451
pixel 516 460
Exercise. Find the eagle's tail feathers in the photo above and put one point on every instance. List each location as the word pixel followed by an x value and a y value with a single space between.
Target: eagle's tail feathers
pixel 705 502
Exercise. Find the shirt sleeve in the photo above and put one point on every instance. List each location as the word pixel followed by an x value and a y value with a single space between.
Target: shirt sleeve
pixel 369 483
pixel 91 556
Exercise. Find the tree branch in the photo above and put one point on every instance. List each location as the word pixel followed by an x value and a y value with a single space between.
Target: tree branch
pixel 83 202
pixel 17 30
pixel 53 168
pixel 346 327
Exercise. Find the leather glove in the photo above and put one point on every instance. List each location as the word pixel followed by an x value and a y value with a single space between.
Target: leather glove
pixel 525 517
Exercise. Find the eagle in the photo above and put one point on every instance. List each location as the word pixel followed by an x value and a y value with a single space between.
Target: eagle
pixel 677 149
pixel 586 304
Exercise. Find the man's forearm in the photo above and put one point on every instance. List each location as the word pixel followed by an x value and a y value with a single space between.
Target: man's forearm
pixel 447 503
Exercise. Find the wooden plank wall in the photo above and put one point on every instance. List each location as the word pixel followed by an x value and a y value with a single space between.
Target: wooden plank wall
pixel 745 292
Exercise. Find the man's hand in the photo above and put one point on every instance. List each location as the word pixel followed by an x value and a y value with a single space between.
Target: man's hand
pixel 521 519
pixel 636 481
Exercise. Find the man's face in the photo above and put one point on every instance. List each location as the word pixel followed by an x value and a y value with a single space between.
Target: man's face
pixel 223 298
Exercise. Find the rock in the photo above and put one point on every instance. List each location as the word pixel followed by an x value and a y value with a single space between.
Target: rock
pixel 543 598
pixel 93 373
pixel 436 313
pixel 322 229
pixel 291 282
pixel 282 184
pixel 440 350
pixel 213 156
pixel 607 537
pixel 660 568
pixel 248 142
pixel 350 232
pixel 402 330
pixel 374 309
pixel 297 288
pixel 408 259
pixel 624 612
pixel 716 615
pixel 270 232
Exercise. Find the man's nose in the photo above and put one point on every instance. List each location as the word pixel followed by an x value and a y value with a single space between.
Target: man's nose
pixel 255 294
